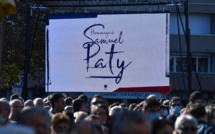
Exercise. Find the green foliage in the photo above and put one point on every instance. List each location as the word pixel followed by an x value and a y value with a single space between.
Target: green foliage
pixel 13 66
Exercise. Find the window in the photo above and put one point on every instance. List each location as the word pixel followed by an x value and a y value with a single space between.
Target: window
pixel 200 63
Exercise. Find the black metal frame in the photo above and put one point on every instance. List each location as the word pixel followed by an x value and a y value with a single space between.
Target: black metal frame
pixel 104 3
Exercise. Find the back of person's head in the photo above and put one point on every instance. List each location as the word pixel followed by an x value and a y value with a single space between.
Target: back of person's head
pixel 68 108
pixel 29 103
pixel 29 112
pixel 94 119
pixel 158 125
pixel 68 100
pixel 59 118
pixel 114 104
pixel 129 122
pixel 80 115
pixel 14 96
pixel 84 98
pixel 196 96
pixel 83 127
pixel 197 110
pixel 77 104
pixel 148 103
pixel 32 116
pixel 71 117
pixel 5 104
pixel 54 98
pixel 115 111
pixel 132 106
pixel 183 121
pixel 152 96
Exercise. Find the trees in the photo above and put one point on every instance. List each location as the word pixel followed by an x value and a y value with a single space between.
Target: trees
pixel 14 28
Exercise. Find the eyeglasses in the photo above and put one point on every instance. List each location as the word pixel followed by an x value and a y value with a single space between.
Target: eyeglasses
pixel 185 129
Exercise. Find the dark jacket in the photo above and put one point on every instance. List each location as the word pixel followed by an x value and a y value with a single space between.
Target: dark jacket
pixel 205 128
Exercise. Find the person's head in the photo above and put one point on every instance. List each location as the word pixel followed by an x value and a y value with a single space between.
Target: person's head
pixel 57 102
pixel 132 106
pixel 162 127
pixel 14 96
pixel 186 124
pixel 78 105
pixel 71 117
pixel 69 109
pixel 210 110
pixel 36 118
pixel 38 102
pixel 86 102
pixel 164 111
pixel 68 101
pixel 197 97
pixel 130 123
pixel 115 111
pixel 94 119
pixel 60 123
pixel 29 103
pixel 152 107
pixel 97 99
pixel 16 107
pixel 175 106
pixel 87 125
pixel 4 112
pixel 102 111
pixel 152 96
pixel 80 115
pixel 198 111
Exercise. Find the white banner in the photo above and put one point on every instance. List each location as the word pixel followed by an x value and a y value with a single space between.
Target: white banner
pixel 106 53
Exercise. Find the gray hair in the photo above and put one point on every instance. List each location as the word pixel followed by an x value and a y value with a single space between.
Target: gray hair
pixel 27 112
pixel 6 104
pixel 37 99
pixel 79 115
pixel 15 100
pixel 152 96
pixel 179 124
pixel 115 111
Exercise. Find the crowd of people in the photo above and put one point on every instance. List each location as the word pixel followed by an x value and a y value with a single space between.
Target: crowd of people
pixel 57 114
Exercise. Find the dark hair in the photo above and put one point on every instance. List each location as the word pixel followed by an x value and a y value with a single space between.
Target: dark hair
pixel 150 103
pixel 196 95
pixel 197 110
pixel 98 102
pixel 95 110
pixel 77 104
pixel 159 124
pixel 71 117
pixel 175 98
pixel 68 100
pixel 14 96
pixel 84 98
pixel 54 98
